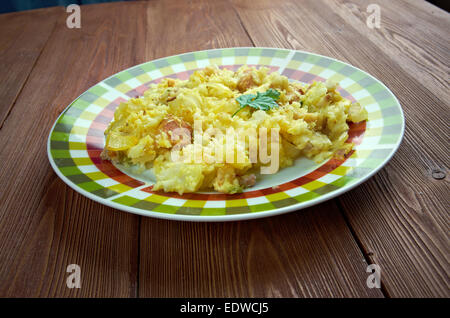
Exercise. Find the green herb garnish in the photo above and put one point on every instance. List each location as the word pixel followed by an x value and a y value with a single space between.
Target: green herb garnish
pixel 262 101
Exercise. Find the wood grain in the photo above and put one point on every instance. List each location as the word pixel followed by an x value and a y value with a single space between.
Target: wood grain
pixel 400 216
pixel 22 38
pixel 177 26
pixel 44 225
pixel 276 257
pixel 412 32
pixel 308 253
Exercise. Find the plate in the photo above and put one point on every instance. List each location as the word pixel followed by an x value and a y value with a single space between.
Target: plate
pixel 76 140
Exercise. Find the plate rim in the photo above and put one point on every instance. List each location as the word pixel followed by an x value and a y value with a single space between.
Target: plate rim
pixel 228 217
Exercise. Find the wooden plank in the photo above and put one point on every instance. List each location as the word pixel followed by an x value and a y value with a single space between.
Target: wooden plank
pixel 44 225
pixel 308 253
pixel 22 38
pixel 415 204
pixel 305 254
pixel 401 219
pixel 413 33
pixel 177 26
pixel 399 216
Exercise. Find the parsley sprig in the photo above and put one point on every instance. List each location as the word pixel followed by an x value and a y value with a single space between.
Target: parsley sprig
pixel 262 101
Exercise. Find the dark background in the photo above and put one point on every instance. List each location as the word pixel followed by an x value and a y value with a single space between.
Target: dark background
pixel 444 4
pixel 20 5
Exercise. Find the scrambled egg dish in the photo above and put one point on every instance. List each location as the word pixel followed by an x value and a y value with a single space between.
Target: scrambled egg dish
pixel 311 121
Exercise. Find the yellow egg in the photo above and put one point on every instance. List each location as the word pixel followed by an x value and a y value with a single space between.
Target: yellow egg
pixel 161 130
pixel 117 141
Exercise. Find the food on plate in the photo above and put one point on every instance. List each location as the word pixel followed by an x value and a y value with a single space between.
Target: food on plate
pixel 179 128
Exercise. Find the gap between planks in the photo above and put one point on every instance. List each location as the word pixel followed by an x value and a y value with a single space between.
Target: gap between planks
pixel 367 257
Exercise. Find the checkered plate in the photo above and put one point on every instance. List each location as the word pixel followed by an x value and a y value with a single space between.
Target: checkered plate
pixel 76 139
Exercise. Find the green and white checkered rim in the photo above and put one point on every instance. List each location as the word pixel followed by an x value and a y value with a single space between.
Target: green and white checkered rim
pixel 76 139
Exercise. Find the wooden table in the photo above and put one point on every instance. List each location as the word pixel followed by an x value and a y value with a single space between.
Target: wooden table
pixel 398 219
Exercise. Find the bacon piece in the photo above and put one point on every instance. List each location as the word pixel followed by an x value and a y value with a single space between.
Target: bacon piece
pixel 308 147
pixel 170 82
pixel 104 155
pixel 340 154
pixel 108 155
pixel 294 98
pixel 245 82
pixel 247 180
pixel 178 130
